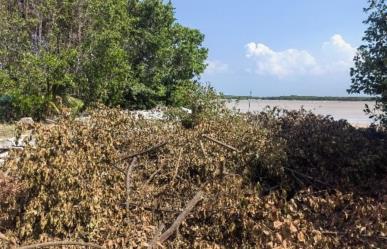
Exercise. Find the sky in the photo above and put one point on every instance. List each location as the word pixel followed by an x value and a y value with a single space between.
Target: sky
pixel 277 47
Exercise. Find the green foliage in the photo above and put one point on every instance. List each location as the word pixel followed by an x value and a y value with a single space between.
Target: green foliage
pixel 202 102
pixel 369 74
pixel 121 53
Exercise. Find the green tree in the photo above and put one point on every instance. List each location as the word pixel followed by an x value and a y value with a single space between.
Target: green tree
pixel 130 53
pixel 369 75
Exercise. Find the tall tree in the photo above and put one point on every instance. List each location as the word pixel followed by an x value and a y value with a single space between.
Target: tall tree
pixel 131 53
pixel 369 75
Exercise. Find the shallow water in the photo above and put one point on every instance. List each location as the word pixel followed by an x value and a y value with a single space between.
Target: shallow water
pixel 349 110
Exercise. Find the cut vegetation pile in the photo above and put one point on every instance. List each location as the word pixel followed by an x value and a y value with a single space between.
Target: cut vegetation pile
pixel 290 180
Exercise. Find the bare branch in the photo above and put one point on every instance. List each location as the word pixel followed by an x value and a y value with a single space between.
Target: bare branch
pixel 177 166
pixel 191 204
pixel 152 176
pixel 203 149
pixel 61 243
pixel 129 171
pixel 306 176
pixel 153 148
pixel 154 243
pixel 220 143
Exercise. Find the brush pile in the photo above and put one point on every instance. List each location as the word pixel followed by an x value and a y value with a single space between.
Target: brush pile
pixel 232 181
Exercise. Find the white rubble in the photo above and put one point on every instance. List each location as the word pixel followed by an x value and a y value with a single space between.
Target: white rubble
pixel 27 121
pixel 14 144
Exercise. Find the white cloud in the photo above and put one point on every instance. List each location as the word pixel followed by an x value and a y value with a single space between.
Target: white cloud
pixel 282 63
pixel 216 66
pixel 336 56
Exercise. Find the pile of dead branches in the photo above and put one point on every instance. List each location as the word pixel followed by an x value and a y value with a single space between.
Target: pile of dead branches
pixel 117 181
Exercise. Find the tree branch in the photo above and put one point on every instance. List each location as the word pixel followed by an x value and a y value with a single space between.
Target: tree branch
pixel 220 143
pixel 61 243
pixel 191 204
pixel 154 243
pixel 129 171
pixel 177 167
pixel 144 151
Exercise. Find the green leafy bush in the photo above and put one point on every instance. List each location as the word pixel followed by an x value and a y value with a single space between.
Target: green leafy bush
pixel 131 54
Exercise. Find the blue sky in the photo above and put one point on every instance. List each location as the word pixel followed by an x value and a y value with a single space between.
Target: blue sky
pixel 277 47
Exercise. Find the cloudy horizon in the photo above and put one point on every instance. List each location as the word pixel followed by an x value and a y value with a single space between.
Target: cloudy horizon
pixel 308 50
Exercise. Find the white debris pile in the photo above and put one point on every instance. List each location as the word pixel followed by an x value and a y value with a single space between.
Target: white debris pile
pixel 155 114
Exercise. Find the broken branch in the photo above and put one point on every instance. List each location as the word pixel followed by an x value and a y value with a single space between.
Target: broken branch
pixel 306 176
pixel 191 204
pixel 129 171
pixel 152 176
pixel 153 244
pixel 61 243
pixel 177 167
pixel 144 151
pixel 220 143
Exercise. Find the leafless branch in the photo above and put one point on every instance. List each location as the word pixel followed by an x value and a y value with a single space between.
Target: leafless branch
pixel 220 143
pixel 177 166
pixel 191 204
pixel 61 243
pixel 306 176
pixel 152 176
pixel 153 148
pixel 129 171
pixel 203 149
pixel 154 243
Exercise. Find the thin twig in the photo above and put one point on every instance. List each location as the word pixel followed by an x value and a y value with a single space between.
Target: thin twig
pixel 61 243
pixel 203 149
pixel 119 169
pixel 154 243
pixel 306 176
pixel 153 175
pixel 128 182
pixel 297 179
pixel 177 166
pixel 191 204
pixel 220 143
pixel 144 151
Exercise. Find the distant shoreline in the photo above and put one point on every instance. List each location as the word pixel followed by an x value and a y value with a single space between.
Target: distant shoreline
pixel 306 98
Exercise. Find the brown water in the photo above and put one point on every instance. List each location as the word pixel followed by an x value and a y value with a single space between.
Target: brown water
pixel 349 110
